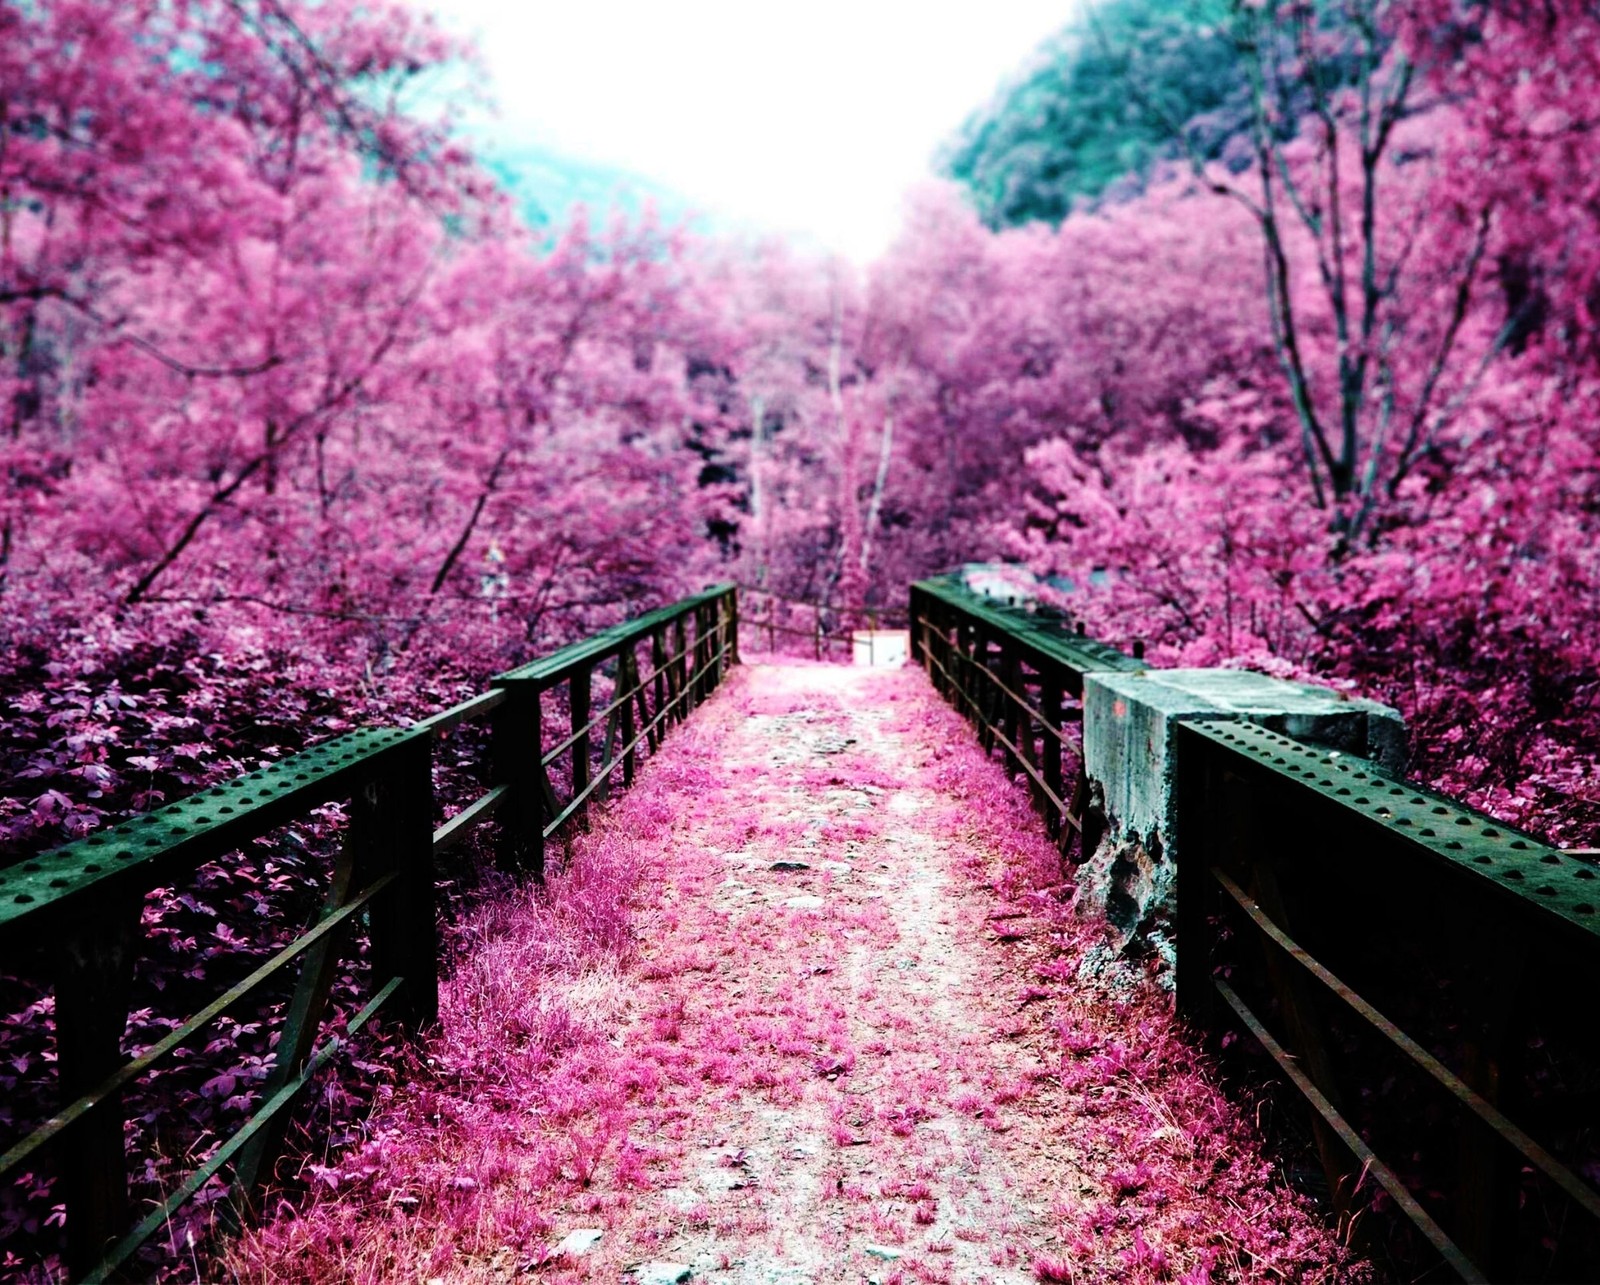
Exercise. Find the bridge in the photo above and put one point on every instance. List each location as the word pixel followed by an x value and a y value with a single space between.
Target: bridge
pixel 935 914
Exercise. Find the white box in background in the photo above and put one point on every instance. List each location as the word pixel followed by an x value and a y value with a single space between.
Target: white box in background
pixel 880 648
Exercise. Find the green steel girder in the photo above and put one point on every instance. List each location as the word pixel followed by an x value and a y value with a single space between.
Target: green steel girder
pixel 1543 880
pixel 127 859
pixel 1039 637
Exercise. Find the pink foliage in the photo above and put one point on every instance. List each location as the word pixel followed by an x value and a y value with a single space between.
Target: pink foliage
pixel 283 378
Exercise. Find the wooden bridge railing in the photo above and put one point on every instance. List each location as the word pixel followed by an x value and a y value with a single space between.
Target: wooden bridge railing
pixel 71 917
pixel 1421 974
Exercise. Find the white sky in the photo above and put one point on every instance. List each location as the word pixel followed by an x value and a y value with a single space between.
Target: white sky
pixel 808 119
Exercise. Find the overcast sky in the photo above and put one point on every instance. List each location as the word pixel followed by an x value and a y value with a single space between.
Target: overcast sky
pixel 807 119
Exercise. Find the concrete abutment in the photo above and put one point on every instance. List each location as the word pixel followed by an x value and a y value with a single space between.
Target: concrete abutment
pixel 1128 723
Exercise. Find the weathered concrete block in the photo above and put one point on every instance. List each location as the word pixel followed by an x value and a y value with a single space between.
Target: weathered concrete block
pixel 1127 727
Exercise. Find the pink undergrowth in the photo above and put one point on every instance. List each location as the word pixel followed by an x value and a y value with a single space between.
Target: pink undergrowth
pixel 513 1098
pixel 1181 1188
pixel 604 1038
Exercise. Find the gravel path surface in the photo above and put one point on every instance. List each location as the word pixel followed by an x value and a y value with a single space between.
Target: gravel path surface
pixel 856 950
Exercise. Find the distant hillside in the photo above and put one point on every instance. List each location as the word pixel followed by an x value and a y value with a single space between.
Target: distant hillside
pixel 1092 113
pixel 1101 107
pixel 547 185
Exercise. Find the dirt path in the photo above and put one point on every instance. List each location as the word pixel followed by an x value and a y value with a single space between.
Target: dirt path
pixel 807 1006
pixel 889 1111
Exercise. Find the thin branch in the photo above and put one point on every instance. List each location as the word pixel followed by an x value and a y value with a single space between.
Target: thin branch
pixel 339 393
pixel 150 349
pixel 459 547
pixel 1430 383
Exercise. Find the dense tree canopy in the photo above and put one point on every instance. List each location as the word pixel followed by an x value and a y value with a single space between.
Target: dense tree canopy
pixel 283 371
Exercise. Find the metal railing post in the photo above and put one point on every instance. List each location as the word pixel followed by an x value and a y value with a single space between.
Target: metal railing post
pixel 628 686
pixel 1050 746
pixel 517 740
pixel 1013 722
pixel 703 652
pixel 94 979
pixel 661 679
pixel 397 836
pixel 580 690
pixel 682 697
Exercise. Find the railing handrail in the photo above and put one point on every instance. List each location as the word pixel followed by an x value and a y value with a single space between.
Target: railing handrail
pixel 1238 790
pixel 1043 639
pixel 1459 856
pixel 141 852
pixel 1528 876
pixel 952 629
pixel 597 647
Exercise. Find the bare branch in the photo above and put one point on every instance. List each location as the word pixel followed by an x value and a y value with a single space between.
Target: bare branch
pixel 1458 315
pixel 339 393
pixel 187 369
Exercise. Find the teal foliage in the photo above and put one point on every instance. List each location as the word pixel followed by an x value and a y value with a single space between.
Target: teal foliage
pixel 1100 108
pixel 548 186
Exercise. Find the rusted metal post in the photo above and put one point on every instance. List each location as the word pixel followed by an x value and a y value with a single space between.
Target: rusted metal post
pixel 1050 748
pixel 1488 1187
pixel 391 828
pixel 682 697
pixel 94 976
pixel 1195 833
pixel 660 678
pixel 1247 817
pixel 391 832
pixel 705 650
pixel 303 1017
pixel 966 674
pixel 934 626
pixel 602 789
pixel 1014 720
pixel 732 601
pixel 919 634
pixel 961 672
pixel 642 705
pixel 983 691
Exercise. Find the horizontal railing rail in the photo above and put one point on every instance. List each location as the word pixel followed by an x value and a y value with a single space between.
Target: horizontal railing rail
pixel 71 917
